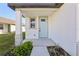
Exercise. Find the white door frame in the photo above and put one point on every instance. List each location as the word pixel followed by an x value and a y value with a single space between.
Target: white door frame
pixel 44 17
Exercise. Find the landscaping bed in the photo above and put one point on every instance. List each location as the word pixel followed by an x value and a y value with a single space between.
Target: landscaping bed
pixel 22 50
pixel 57 51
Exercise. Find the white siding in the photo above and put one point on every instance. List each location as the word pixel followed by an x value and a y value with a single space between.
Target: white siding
pixel 64 28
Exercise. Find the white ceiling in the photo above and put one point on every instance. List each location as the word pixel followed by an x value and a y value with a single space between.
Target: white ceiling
pixel 38 11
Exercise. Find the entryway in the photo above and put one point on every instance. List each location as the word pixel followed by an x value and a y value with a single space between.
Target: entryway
pixel 43 27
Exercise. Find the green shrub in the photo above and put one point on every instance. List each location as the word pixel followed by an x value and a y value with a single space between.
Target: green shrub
pixel 24 49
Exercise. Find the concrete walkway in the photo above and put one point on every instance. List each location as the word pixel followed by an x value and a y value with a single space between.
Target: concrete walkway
pixel 40 46
pixel 39 51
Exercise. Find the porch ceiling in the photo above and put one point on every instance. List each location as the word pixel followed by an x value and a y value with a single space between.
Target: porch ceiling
pixel 34 5
pixel 38 11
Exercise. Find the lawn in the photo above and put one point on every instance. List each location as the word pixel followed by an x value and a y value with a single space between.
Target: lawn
pixel 6 42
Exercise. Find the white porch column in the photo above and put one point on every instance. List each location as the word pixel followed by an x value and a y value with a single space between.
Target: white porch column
pixel 37 25
pixel 27 25
pixel 18 33
pixel 77 30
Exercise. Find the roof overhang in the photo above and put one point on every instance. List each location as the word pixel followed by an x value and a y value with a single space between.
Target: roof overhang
pixel 34 5
pixel 6 21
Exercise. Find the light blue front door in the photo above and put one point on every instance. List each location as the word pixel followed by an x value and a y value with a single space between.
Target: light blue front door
pixel 43 27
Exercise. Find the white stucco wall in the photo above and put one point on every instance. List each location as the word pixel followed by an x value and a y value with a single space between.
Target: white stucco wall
pixel 77 29
pixel 64 28
pixel 31 33
pixel 50 27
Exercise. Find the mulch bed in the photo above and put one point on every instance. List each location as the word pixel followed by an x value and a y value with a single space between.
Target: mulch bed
pixel 57 51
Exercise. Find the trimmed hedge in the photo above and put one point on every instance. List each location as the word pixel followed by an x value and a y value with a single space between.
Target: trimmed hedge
pixel 22 50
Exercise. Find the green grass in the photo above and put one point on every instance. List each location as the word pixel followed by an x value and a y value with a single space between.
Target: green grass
pixel 6 42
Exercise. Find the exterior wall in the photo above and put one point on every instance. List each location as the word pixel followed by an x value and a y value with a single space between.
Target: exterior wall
pixel 78 29
pixel 63 28
pixel 31 33
pixel 49 27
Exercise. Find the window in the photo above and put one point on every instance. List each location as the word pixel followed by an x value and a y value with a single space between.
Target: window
pixel 43 20
pixel 32 23
pixel 1 26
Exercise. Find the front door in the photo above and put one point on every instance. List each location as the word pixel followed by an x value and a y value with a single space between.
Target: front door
pixel 43 27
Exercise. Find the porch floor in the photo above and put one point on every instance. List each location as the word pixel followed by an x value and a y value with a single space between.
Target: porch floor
pixel 41 42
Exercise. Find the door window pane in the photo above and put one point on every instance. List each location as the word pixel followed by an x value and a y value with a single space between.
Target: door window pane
pixel 42 20
pixel 32 25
